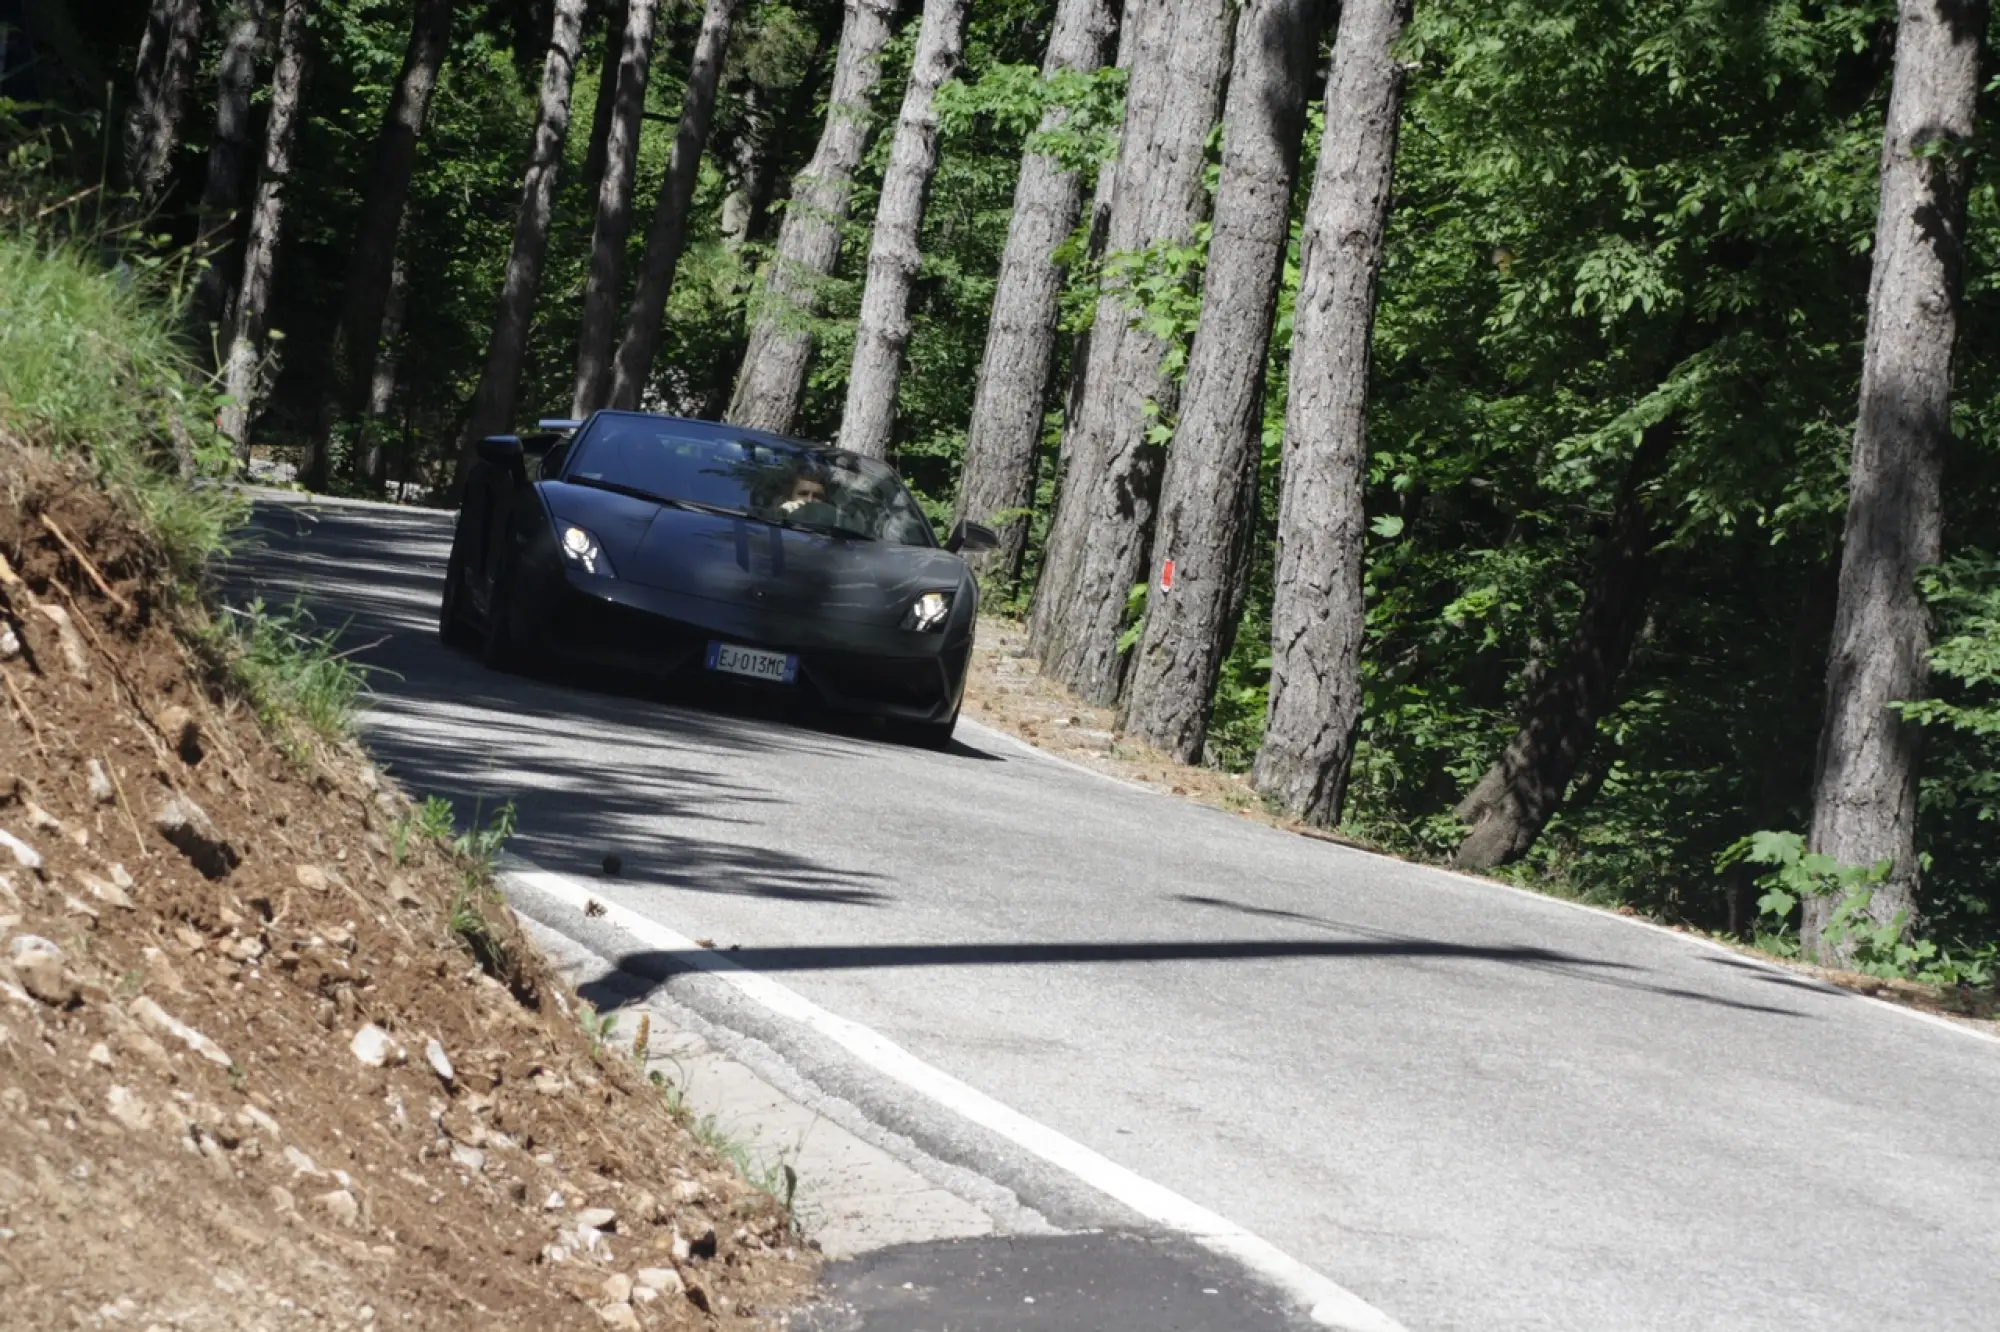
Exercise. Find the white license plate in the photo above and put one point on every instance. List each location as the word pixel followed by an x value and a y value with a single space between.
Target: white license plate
pixel 778 667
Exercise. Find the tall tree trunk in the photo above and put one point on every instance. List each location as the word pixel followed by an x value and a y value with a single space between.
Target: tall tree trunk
pixel 607 97
pixel 493 403
pixel 998 475
pixel 1104 517
pixel 749 169
pixel 1317 614
pixel 168 53
pixel 243 355
pixel 384 197
pixel 895 250
pixel 773 376
pixel 1208 495
pixel 614 213
pixel 228 161
pixel 1865 796
pixel 1521 792
pixel 668 232
pixel 374 460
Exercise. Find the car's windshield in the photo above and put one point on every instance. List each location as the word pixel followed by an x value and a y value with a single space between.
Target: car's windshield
pixel 696 463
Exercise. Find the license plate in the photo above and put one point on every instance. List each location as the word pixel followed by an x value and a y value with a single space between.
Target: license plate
pixel 777 667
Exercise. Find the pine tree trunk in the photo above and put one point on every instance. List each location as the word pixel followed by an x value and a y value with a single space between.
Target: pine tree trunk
pixel 384 197
pixel 382 380
pixel 668 232
pixel 243 355
pixel 1865 796
pixel 749 170
pixel 614 213
pixel 1209 491
pixel 1103 523
pixel 998 475
pixel 493 403
pixel 1521 792
pixel 773 376
pixel 229 156
pixel 895 250
pixel 169 50
pixel 1317 613
pixel 607 97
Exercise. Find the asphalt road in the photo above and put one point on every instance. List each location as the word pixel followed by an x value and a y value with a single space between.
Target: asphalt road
pixel 1472 1107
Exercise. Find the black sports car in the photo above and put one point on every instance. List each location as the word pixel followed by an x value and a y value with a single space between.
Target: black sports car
pixel 665 545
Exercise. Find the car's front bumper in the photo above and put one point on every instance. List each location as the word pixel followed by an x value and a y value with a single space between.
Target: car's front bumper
pixel 894 673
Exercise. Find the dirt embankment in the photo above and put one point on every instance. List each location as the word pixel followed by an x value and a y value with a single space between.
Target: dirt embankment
pixel 249 1076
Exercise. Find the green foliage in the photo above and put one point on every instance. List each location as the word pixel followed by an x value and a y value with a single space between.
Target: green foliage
pixel 90 367
pixel 288 670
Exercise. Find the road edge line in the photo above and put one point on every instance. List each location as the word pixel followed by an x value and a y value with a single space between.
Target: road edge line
pixel 1327 1303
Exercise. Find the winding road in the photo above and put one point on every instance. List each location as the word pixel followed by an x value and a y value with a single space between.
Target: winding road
pixel 1471 1107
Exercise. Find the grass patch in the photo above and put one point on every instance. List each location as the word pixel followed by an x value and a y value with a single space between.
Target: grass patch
pixel 291 672
pixel 91 368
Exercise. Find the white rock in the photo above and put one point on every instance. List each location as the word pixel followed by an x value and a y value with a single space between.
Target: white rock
pixel 341 1206
pixel 554 1202
pixel 618 1288
pixel 99 782
pixel 100 1054
pixel 619 1316
pixel 470 1157
pixel 660 1280
pixel 597 1218
pixel 251 1117
pixel 104 890
pixel 375 1047
pixel 128 1109
pixel 121 878
pixel 152 1015
pixel 24 947
pixel 301 1164
pixel 24 855
pixel 440 1065
pixel 10 642
pixel 681 1249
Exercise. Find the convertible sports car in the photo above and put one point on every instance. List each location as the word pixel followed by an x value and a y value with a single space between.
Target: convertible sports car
pixel 665 545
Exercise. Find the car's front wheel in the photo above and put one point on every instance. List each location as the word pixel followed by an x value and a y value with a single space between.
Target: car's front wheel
pixel 927 735
pixel 451 606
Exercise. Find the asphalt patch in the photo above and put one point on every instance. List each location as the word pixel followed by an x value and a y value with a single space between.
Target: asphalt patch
pixel 1094 1282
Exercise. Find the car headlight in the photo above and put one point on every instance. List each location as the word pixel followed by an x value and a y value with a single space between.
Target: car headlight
pixel 928 612
pixel 581 548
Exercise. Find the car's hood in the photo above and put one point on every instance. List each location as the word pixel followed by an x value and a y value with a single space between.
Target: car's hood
pixel 740 560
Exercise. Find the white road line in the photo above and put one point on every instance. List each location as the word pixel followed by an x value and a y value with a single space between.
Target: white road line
pixel 1329 1304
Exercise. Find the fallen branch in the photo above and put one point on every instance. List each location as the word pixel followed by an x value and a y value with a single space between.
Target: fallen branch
pixel 89 567
pixel 21 706
pixel 126 805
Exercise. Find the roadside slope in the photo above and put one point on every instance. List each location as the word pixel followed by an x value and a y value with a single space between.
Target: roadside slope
pixel 202 931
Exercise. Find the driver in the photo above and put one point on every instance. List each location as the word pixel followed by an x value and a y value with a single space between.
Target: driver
pixel 808 487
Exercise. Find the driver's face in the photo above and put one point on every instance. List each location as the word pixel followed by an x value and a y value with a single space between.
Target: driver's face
pixel 805 490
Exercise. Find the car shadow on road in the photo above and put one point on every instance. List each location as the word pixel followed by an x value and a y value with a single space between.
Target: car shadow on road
pixel 659 966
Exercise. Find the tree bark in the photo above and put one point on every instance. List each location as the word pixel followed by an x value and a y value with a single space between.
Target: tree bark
pixel 1865 792
pixel 229 156
pixel 244 355
pixel 773 376
pixel 1317 613
pixel 607 97
pixel 1521 792
pixel 749 169
pixel 998 474
pixel 614 213
pixel 1103 523
pixel 372 260
pixel 895 250
pixel 667 235
pixel 1208 495
pixel 382 380
pixel 493 403
pixel 168 53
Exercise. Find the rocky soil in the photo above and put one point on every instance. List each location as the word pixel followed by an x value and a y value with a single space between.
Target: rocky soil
pixel 251 1076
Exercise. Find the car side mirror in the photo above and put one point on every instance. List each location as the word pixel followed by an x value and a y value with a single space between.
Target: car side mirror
pixel 969 537
pixel 553 460
pixel 500 450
